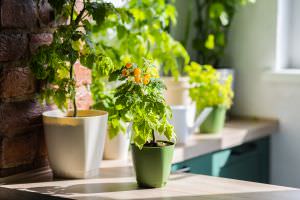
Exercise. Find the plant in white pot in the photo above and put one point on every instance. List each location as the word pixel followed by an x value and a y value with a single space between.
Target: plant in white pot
pixel 118 134
pixel 138 33
pixel 209 91
pixel 74 138
pixel 140 97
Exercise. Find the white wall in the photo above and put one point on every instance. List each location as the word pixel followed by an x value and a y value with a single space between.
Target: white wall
pixel 252 51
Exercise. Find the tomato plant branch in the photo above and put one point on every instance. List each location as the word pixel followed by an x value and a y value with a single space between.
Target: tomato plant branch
pixel 72 11
pixel 79 17
pixel 153 137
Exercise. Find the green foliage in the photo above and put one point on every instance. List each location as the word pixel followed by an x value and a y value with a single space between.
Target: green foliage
pixel 139 99
pixel 214 18
pixel 137 31
pixel 72 41
pixel 208 90
pixel 140 31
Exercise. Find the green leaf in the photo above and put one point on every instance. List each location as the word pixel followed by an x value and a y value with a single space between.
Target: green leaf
pixel 210 42
pixel 215 10
pixel 121 31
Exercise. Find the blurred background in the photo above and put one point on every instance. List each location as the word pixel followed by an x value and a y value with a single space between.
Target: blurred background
pixel 263 48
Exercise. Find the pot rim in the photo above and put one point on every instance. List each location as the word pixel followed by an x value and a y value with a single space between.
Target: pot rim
pixel 172 79
pixel 148 147
pixel 63 115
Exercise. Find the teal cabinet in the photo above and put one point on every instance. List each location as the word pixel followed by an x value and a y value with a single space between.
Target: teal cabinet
pixel 249 162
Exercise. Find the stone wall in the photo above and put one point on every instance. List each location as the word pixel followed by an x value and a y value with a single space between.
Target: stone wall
pixel 24 26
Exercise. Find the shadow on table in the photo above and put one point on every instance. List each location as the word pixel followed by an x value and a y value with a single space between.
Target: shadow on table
pixel 12 194
pixel 88 188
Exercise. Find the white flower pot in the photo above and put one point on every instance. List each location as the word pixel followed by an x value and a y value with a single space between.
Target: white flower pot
pixel 117 147
pixel 75 144
pixel 177 92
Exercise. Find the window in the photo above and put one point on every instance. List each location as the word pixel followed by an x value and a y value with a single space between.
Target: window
pixel 288 34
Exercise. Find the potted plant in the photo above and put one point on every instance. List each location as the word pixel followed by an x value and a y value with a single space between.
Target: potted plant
pixel 136 34
pixel 74 138
pixel 140 98
pixel 209 91
pixel 117 143
pixel 212 24
pixel 118 138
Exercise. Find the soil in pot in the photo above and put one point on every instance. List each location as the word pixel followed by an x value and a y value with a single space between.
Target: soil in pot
pixel 152 163
pixel 214 123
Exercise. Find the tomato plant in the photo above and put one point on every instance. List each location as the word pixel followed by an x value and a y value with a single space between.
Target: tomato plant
pixel 142 103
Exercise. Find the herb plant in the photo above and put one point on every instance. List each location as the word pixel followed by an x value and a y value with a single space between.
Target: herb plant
pixel 72 41
pixel 139 99
pixel 207 89
pixel 214 18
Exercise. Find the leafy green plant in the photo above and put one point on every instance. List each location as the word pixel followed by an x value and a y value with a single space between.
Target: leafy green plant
pixel 72 41
pixel 207 89
pixel 139 32
pixel 214 18
pixel 139 99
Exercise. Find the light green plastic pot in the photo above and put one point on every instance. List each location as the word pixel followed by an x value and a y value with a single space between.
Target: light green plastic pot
pixel 214 122
pixel 152 165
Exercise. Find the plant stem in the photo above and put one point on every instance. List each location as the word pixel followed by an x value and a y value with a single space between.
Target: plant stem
pixel 74 106
pixel 74 96
pixel 72 11
pixel 153 137
pixel 72 64
pixel 79 16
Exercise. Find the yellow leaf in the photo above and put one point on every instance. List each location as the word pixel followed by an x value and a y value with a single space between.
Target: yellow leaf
pixel 210 42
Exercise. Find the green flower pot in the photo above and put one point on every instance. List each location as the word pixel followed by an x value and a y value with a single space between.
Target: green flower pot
pixel 214 122
pixel 152 164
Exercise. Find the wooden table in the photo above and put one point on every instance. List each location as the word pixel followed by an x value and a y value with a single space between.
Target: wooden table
pixel 119 183
pixel 117 180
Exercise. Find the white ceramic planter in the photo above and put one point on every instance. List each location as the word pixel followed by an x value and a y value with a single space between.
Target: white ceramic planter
pixel 117 147
pixel 75 144
pixel 177 92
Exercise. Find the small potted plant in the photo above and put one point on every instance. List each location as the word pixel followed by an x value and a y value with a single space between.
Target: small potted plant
pixel 118 134
pixel 140 98
pixel 117 141
pixel 208 90
pixel 138 33
pixel 74 138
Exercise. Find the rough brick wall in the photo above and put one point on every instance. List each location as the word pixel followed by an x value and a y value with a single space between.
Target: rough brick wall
pixel 24 26
pixel 83 78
